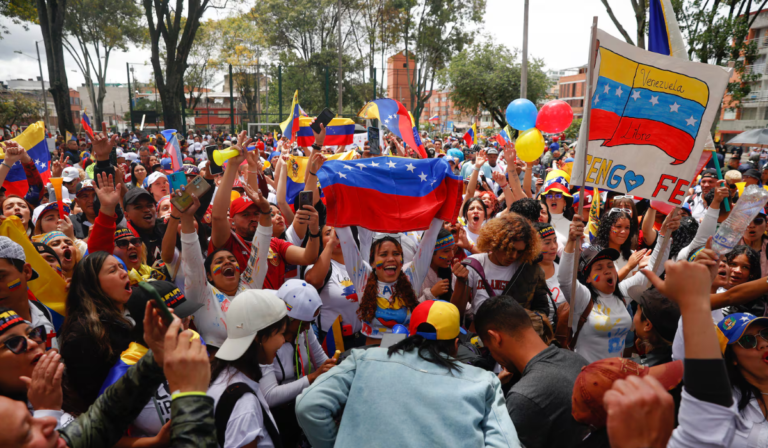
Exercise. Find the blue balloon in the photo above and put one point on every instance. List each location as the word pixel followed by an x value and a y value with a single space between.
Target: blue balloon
pixel 554 146
pixel 399 329
pixel 521 114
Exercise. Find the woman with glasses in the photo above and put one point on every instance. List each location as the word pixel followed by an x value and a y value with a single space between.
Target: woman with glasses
pixel 744 343
pixel 755 238
pixel 22 351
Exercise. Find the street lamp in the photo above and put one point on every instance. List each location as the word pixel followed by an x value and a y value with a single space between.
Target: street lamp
pixel 42 82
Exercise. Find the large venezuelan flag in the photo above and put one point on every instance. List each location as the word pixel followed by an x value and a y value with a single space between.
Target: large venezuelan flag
pixel 334 339
pixel 390 194
pixel 297 168
pixel 128 358
pixel 290 127
pixel 639 104
pixel 33 140
pixel 49 288
pixel 396 118
pixel 339 132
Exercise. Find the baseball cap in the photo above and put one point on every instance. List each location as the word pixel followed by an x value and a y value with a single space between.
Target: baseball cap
pixel 709 173
pixel 593 254
pixel 9 319
pixel 131 156
pixel 172 297
pixel 189 160
pixel 435 320
pixel 733 326
pixel 752 173
pixel 597 378
pixel 152 178
pixel 240 204
pixel 70 173
pixel 166 163
pixel 190 169
pixel 119 152
pixel 40 209
pixel 86 185
pixel 663 313
pixel 492 151
pixel 301 299
pixel 11 250
pixel 250 312
pixel 134 194
pixel 558 180
pixel 43 248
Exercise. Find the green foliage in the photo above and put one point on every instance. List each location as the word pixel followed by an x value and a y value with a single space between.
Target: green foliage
pixel 16 107
pixel 488 76
pixel 21 12
pixel 573 130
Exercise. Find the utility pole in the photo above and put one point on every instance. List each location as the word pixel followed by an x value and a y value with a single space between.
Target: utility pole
pixel 341 74
pixel 42 84
pixel 524 71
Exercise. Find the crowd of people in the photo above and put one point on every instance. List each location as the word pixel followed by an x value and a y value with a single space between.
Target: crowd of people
pixel 533 319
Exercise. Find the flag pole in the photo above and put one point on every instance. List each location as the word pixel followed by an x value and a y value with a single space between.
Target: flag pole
pixel 583 155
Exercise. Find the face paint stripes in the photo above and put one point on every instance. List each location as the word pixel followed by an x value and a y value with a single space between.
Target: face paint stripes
pixel 14 284
pixel 379 265
pixel 596 278
pixel 216 269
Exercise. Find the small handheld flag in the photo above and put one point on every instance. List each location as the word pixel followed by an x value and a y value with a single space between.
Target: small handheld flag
pixel 396 118
pixel 290 127
pixel 87 125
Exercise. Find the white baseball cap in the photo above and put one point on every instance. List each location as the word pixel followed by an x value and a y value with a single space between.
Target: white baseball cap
pixel 301 299
pixel 250 312
pixel 70 173
pixel 152 178
pixel 119 152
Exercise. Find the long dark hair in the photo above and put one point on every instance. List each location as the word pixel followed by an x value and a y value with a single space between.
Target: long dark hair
pixel 432 351
pixel 465 208
pixel 738 382
pixel 402 289
pixel 248 364
pixel 604 231
pixel 683 236
pixel 133 175
pixel 89 306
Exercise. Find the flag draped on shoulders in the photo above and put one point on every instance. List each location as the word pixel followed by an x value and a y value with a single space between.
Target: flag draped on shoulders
pixel 33 141
pixel 390 194
pixel 397 119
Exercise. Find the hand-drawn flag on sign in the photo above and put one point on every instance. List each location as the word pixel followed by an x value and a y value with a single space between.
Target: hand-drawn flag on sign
pixel 638 104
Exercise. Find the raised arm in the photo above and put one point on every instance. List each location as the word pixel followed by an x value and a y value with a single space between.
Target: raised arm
pixel 13 153
pixel 708 225
pixel 281 174
pixel 220 228
pixel 479 161
pixel 256 269
pixel 420 266
pixel 102 233
pixel 195 280
pixel 671 223
pixel 565 273
pixel 357 268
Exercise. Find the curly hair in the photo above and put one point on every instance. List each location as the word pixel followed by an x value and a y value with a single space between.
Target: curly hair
pixel 528 208
pixel 499 235
pixel 604 231
pixel 494 203
pixel 752 257
pixel 683 236
pixel 403 290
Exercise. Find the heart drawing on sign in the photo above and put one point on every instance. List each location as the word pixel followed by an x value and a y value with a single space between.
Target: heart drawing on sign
pixel 632 180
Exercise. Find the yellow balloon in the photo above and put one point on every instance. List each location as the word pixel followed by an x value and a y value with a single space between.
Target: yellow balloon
pixel 530 145
pixel 233 195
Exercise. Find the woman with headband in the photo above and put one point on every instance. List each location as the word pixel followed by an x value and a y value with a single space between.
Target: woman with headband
pixel 437 283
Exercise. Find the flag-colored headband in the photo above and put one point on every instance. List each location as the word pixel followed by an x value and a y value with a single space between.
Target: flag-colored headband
pixel 693 256
pixel 9 319
pixel 51 235
pixel 444 242
pixel 546 232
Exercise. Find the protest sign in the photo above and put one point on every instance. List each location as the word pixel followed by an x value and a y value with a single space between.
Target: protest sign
pixel 650 117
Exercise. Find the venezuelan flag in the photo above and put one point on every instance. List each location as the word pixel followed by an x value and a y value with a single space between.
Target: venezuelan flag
pixel 390 194
pixel 87 125
pixel 470 138
pixel 640 104
pixel 49 288
pixel 664 35
pixel 416 138
pixel 297 168
pixel 33 140
pixel 339 132
pixel 396 118
pixel 333 339
pixel 290 127
pixel 128 358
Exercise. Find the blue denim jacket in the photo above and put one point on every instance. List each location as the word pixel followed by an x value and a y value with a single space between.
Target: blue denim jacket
pixel 404 400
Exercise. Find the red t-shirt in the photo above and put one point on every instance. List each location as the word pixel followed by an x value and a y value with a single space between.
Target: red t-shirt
pixel 241 249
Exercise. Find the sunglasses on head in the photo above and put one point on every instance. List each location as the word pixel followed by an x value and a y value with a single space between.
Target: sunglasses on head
pixel 554 195
pixel 750 340
pixel 616 198
pixel 18 344
pixel 617 210
pixel 123 243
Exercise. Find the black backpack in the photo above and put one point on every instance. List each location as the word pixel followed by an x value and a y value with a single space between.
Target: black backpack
pixel 226 405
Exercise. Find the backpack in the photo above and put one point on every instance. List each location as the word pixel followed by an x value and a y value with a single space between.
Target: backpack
pixel 226 405
pixel 563 334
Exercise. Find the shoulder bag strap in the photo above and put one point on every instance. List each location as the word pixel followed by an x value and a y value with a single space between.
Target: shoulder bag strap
pixel 514 278
pixel 475 264
pixel 580 325
pixel 226 405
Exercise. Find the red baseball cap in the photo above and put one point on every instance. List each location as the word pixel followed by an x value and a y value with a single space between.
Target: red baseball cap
pixel 597 378
pixel 240 204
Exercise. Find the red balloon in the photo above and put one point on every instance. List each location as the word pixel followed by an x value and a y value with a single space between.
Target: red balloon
pixel 555 138
pixel 554 117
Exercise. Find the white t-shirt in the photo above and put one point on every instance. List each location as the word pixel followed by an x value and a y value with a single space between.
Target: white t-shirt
pixel 155 414
pixel 497 277
pixel 279 382
pixel 246 423
pixel 471 236
pixel 554 288
pixel 562 226
pixel 339 297
pixel 39 319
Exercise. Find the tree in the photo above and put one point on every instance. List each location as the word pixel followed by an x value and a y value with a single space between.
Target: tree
pixel 432 31
pixel 21 12
pixel 573 130
pixel 51 15
pixel 487 76
pixel 15 107
pixel 640 7
pixel 164 23
pixel 95 38
pixel 202 70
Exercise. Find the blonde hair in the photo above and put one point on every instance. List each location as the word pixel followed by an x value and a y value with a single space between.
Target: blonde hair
pixel 733 176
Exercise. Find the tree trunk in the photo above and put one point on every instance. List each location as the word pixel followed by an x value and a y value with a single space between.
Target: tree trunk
pixel 171 100
pixel 51 16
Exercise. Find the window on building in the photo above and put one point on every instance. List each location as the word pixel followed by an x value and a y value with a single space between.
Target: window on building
pixel 749 114
pixel 730 114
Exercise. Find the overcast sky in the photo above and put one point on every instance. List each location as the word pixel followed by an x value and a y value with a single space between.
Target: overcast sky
pixel 558 33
